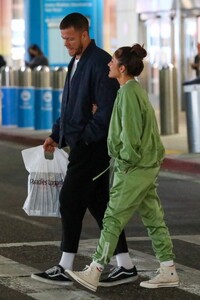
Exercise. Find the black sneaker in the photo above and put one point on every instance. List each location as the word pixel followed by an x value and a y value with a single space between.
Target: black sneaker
pixel 55 275
pixel 119 275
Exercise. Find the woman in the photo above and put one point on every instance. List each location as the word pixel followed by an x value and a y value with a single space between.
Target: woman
pixel 135 145
pixel 37 57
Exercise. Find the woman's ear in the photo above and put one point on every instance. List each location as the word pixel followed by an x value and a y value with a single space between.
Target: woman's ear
pixel 122 69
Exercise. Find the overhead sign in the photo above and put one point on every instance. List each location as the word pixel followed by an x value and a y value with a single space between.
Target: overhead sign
pixel 45 30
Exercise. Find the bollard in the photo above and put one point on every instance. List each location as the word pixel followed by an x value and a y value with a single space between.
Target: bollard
pixel 58 79
pixel 168 100
pixel 8 97
pixel 192 107
pixel 25 98
pixel 43 98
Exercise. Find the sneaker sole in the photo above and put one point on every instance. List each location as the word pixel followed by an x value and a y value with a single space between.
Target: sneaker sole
pixel 49 281
pixel 114 283
pixel 161 285
pixel 80 281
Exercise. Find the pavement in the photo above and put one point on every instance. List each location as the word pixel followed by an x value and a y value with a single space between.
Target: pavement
pixel 16 274
pixel 177 159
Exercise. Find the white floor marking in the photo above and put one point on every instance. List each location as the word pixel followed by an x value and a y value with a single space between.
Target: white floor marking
pixel 194 239
pixel 17 276
pixel 25 220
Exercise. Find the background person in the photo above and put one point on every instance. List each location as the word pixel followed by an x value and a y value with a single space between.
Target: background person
pixel 37 57
pixel 2 61
pixel 196 64
pixel 134 142
pixel 87 103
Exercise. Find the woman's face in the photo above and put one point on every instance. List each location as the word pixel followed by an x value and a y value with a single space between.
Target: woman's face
pixel 33 53
pixel 114 68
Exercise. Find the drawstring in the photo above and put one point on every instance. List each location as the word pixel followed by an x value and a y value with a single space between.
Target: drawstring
pixel 96 177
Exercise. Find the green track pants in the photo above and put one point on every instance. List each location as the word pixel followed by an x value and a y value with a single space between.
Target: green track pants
pixel 134 191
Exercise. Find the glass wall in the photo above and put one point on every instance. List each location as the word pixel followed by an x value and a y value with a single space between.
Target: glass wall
pixel 159 35
pixel 5 28
pixel 190 46
pixel 110 26
pixel 12 31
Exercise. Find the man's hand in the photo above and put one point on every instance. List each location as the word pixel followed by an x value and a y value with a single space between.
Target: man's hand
pixel 94 108
pixel 49 145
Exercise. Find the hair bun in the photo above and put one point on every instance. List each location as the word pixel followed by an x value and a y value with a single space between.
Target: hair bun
pixel 139 50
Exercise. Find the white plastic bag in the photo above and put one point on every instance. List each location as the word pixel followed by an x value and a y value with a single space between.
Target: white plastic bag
pixel 45 180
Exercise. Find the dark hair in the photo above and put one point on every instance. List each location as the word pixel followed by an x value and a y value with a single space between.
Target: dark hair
pixel 36 48
pixel 131 58
pixel 76 20
pixel 2 61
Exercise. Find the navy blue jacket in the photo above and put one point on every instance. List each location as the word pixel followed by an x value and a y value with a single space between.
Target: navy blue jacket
pixel 90 84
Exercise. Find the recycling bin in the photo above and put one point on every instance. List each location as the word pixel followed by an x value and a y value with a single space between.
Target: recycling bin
pixel 58 79
pixel 8 97
pixel 43 98
pixel 26 106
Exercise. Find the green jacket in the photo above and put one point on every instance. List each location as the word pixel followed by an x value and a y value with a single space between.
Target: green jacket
pixel 133 138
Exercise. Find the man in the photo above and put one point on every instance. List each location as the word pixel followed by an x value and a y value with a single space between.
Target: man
pixel 87 104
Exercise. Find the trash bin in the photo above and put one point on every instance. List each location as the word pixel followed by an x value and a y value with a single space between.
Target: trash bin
pixel 168 100
pixel 192 108
pixel 8 97
pixel 25 98
pixel 58 79
pixel 43 98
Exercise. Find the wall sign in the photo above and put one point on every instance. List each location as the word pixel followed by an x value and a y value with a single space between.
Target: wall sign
pixel 42 19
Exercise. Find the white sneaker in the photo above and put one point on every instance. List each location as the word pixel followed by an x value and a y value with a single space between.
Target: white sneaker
pixel 167 277
pixel 89 277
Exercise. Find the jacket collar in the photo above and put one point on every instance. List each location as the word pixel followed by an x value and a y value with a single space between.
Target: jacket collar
pixel 89 48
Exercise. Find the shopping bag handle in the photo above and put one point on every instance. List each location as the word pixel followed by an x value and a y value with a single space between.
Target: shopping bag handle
pixel 49 155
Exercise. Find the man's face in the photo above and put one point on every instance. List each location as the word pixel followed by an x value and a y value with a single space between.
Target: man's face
pixel 73 41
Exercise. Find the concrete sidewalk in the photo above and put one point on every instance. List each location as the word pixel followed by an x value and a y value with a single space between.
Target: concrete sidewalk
pixel 177 157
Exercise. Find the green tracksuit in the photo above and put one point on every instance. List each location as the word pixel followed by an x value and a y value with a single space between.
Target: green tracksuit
pixel 134 143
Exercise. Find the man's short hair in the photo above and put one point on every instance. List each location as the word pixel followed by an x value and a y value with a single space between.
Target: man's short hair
pixel 76 20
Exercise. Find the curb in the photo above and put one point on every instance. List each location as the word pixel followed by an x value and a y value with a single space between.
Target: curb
pixel 178 165
pixel 22 139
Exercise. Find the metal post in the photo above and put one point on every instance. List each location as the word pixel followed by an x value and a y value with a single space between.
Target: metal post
pixel 168 100
pixel 192 106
